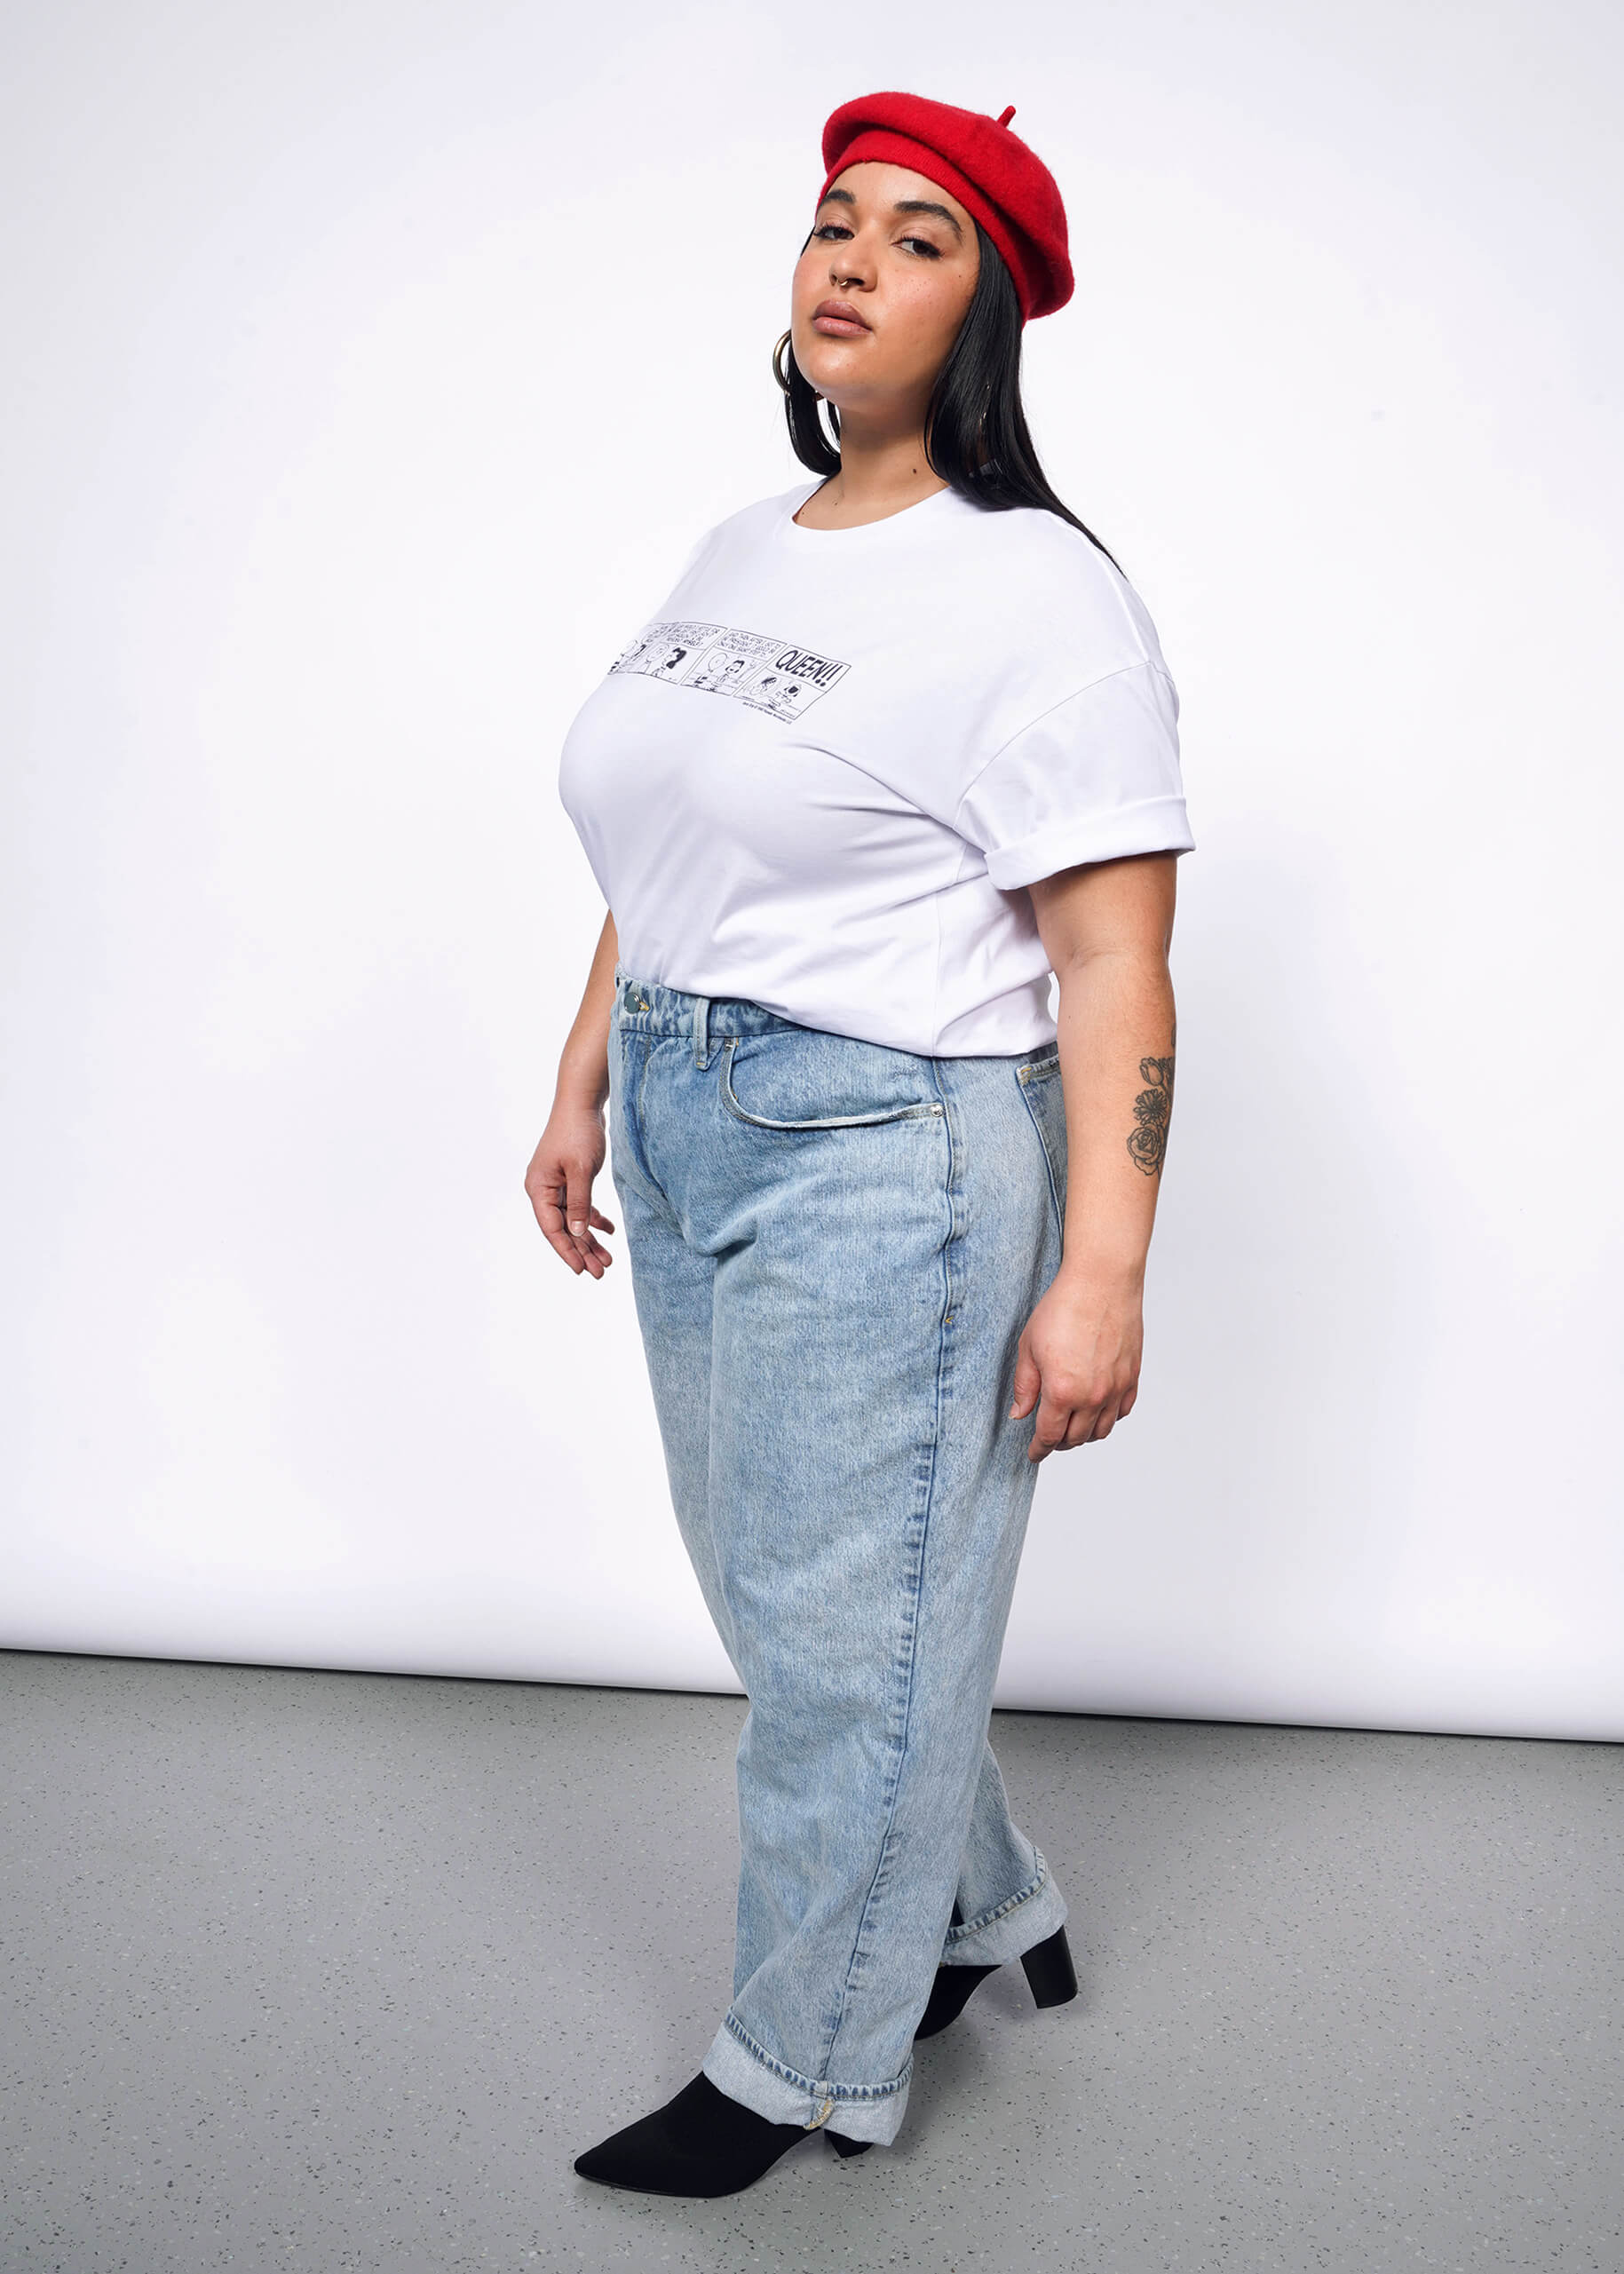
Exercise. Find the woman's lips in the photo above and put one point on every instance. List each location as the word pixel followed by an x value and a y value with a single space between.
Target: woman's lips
pixel 838 322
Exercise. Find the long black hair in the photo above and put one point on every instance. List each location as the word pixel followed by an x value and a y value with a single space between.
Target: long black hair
pixel 975 435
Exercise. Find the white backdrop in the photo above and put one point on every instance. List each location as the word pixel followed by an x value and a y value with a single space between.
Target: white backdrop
pixel 370 368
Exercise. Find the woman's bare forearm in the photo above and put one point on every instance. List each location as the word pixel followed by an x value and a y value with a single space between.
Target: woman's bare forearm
pixel 583 1067
pixel 1107 928
pixel 1118 1026
pixel 575 1145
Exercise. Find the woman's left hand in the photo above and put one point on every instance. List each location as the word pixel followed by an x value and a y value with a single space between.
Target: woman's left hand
pixel 1078 1363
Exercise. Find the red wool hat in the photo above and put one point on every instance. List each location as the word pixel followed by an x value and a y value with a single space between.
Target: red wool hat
pixel 976 158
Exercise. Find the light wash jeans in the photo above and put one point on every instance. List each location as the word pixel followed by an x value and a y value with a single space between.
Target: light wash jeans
pixel 834 1247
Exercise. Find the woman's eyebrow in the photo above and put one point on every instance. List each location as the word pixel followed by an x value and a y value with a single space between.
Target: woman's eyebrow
pixel 925 205
pixel 903 205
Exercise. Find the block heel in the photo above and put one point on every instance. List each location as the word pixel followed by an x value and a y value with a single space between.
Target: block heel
pixel 1049 1969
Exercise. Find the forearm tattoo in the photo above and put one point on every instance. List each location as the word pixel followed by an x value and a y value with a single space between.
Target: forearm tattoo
pixel 1152 1109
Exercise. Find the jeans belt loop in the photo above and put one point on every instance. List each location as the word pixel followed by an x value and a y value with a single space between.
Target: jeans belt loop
pixel 701 1030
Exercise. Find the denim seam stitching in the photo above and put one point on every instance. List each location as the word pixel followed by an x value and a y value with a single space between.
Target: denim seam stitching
pixel 955 1232
pixel 642 1089
pixel 633 1127
pixel 823 2090
pixel 1049 1166
pixel 1000 1911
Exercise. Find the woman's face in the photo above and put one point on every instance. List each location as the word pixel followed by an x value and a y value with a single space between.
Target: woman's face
pixel 881 290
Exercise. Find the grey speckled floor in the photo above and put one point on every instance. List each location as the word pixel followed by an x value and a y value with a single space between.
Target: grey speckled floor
pixel 335 1972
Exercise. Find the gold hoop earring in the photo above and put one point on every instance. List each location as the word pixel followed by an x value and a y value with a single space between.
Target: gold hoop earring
pixel 778 364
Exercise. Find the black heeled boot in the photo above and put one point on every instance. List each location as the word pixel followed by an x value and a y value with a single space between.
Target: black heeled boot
pixel 702 2142
pixel 1047 1968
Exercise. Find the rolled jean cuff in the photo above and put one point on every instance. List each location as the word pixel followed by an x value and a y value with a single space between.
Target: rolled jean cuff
pixel 1026 1918
pixel 746 2072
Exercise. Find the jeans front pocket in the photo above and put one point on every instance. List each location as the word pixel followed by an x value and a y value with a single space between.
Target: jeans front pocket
pixel 1045 1095
pixel 800 1078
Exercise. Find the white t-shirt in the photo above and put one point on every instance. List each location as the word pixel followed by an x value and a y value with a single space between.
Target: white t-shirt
pixel 820 775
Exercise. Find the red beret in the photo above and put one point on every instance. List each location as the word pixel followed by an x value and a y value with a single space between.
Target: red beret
pixel 976 158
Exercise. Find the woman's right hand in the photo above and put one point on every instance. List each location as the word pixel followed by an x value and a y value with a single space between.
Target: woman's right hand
pixel 559 1183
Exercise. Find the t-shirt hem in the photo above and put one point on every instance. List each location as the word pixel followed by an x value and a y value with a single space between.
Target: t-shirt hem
pixel 1153 825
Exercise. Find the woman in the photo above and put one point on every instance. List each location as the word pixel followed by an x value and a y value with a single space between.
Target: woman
pixel 897 745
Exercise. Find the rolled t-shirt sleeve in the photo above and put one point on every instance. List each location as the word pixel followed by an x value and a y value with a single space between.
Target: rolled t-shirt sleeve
pixel 1093 779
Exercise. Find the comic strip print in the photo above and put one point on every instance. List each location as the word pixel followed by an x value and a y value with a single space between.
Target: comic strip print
pixel 770 675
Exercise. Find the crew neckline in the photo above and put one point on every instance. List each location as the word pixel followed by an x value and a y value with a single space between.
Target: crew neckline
pixel 794 533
